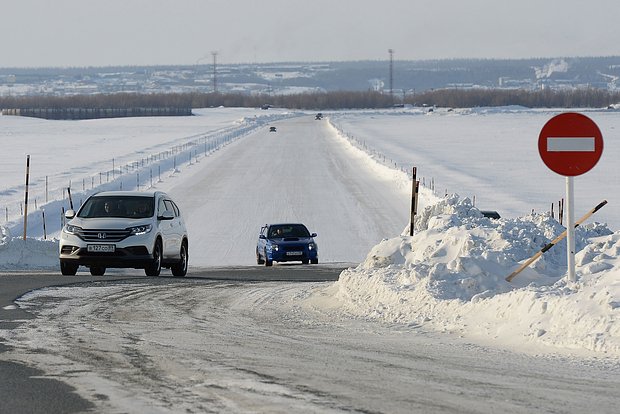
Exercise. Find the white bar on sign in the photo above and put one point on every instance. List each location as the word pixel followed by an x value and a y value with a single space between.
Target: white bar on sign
pixel 570 144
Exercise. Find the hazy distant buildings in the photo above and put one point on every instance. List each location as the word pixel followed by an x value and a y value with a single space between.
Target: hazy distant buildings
pixel 293 78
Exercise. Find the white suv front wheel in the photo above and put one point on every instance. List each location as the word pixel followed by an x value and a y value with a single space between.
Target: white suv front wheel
pixel 180 269
pixel 68 269
pixel 154 268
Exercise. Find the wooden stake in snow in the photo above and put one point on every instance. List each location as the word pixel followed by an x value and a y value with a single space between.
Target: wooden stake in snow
pixel 553 242
pixel 70 199
pixel 414 199
pixel 44 229
pixel 26 196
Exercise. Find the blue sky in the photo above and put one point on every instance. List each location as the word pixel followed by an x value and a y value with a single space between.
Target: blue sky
pixel 69 33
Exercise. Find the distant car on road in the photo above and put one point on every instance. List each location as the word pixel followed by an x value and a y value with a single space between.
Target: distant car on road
pixel 490 214
pixel 286 242
pixel 272 129
pixel 319 116
pixel 127 229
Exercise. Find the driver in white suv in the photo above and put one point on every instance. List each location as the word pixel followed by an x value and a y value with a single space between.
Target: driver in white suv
pixel 126 229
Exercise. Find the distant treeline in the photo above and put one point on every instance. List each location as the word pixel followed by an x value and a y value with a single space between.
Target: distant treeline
pixel 451 98
pixel 468 98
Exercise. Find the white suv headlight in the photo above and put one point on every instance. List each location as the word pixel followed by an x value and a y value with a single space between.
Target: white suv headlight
pixel 69 229
pixel 139 230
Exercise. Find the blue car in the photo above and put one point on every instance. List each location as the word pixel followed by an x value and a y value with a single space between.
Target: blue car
pixel 287 242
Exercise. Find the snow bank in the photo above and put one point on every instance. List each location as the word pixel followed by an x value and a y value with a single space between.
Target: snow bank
pixel 19 254
pixel 451 276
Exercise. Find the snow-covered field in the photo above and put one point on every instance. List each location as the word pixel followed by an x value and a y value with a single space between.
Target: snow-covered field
pixel 354 190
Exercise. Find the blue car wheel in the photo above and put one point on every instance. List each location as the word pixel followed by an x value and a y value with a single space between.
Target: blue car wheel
pixel 259 259
pixel 267 261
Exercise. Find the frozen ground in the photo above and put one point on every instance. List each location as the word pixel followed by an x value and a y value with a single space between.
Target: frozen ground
pixel 165 345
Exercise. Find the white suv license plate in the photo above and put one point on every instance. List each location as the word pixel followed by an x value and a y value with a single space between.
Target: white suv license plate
pixel 101 248
pixel 294 253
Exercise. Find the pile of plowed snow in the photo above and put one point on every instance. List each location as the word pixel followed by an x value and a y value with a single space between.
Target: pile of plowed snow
pixel 451 276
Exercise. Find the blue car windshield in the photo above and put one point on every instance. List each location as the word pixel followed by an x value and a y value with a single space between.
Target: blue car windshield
pixel 288 230
pixel 118 206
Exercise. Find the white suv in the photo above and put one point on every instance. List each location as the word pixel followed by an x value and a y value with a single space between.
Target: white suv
pixel 130 229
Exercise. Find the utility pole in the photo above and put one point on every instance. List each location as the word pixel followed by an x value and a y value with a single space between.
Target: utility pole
pixel 214 54
pixel 391 51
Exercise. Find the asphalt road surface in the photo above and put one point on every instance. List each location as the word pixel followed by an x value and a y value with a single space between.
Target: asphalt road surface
pixel 252 339
pixel 25 389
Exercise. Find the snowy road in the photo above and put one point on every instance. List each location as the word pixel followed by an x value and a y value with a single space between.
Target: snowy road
pixel 197 345
pixel 302 173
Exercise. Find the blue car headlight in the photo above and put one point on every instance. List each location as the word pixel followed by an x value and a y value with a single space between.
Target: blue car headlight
pixel 311 246
pixel 140 230
pixel 275 247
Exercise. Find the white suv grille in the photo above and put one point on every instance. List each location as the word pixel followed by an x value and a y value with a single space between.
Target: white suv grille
pixel 107 235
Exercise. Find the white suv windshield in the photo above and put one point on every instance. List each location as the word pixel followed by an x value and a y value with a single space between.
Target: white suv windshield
pixel 118 206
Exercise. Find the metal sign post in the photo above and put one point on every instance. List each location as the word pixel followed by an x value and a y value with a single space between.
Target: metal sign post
pixel 570 229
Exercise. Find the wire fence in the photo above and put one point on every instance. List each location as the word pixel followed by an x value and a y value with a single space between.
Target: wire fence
pixel 51 196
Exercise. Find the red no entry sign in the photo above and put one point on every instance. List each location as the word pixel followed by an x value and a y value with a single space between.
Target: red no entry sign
pixel 570 144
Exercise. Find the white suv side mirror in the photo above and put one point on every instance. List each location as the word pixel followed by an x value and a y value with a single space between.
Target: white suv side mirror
pixel 166 215
pixel 69 214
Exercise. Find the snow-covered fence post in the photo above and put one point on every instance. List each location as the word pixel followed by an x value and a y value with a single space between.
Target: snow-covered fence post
pixel 26 195
pixel 70 199
pixel 415 187
pixel 44 230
